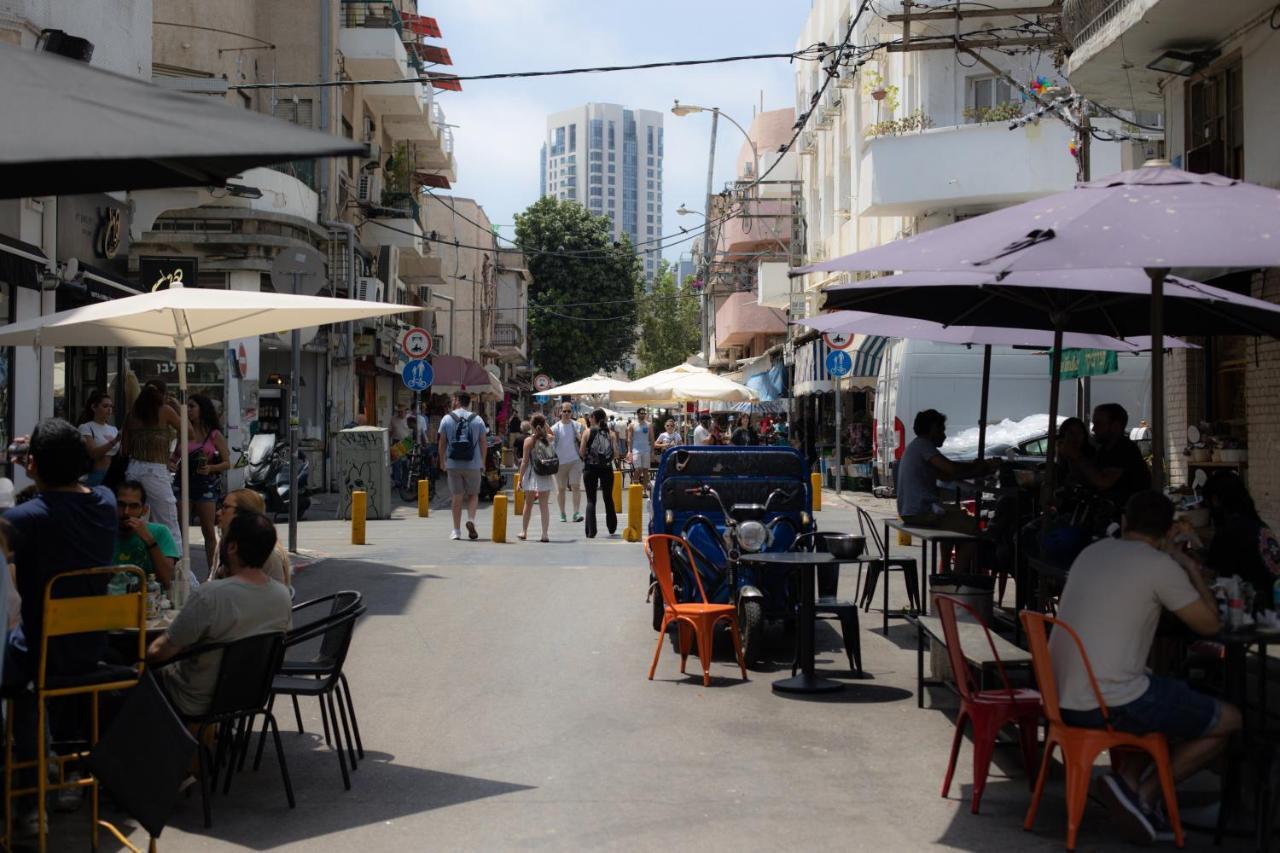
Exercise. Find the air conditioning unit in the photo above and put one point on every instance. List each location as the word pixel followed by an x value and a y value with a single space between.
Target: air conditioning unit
pixel 373 151
pixel 369 188
pixel 368 289
pixel 808 145
pixel 822 117
pixel 833 100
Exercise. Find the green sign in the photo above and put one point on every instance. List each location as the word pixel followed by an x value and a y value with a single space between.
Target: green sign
pixel 1079 363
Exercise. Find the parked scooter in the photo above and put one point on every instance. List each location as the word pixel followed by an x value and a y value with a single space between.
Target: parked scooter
pixel 268 474
pixel 492 479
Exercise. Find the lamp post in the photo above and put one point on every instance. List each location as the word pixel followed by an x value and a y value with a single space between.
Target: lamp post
pixel 680 109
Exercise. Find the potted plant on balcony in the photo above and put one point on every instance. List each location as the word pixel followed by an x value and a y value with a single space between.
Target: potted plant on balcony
pixel 875 86
pixel 397 181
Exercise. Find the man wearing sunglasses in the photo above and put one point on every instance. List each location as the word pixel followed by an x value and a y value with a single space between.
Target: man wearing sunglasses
pixel 566 435
pixel 139 542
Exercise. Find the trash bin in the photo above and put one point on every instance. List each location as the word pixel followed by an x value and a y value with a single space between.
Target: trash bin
pixel 364 465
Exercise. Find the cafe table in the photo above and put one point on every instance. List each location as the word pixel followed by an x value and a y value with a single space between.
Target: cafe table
pixel 807 563
pixel 932 540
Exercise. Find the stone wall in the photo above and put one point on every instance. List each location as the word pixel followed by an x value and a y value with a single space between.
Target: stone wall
pixel 1262 378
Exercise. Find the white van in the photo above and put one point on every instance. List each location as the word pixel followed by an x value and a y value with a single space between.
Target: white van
pixel 917 375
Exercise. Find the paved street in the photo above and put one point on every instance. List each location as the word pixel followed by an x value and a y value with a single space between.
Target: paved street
pixel 503 704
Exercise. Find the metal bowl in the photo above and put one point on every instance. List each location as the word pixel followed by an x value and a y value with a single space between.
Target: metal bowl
pixel 846 546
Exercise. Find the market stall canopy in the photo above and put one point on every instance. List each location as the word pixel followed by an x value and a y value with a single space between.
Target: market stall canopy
pixel 683 387
pixel 862 322
pixel 455 373
pixel 596 385
pixel 85 130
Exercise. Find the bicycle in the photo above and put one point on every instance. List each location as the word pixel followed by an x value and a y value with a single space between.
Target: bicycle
pixel 419 464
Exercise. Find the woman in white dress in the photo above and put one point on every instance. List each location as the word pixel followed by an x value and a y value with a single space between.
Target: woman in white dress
pixel 538 450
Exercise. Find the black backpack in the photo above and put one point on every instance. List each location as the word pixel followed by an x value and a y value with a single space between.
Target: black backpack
pixel 545 460
pixel 462 446
pixel 599 449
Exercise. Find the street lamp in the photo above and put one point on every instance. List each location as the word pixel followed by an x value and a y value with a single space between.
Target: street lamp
pixel 684 211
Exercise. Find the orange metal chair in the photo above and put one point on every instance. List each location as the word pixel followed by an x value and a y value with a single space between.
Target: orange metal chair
pixel 700 618
pixel 1080 746
pixel 988 710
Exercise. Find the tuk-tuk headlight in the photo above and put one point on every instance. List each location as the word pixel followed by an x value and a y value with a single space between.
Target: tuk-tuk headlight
pixel 752 536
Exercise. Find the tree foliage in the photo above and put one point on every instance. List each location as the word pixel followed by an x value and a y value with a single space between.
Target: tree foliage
pixel 668 319
pixel 581 313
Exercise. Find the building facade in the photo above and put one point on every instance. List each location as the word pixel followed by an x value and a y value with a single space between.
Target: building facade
pixel 1220 114
pixel 608 158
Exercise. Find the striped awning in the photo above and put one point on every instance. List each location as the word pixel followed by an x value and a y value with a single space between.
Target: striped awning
pixel 811 365
pixel 866 358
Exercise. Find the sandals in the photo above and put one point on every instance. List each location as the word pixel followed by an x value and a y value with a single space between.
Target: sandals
pixel 544 539
pixel 522 536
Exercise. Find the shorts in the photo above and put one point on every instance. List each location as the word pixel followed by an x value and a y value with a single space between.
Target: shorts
pixel 1169 707
pixel 640 460
pixel 465 481
pixel 953 518
pixel 570 475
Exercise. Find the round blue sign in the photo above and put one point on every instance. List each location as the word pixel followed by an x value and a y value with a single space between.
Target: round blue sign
pixel 839 363
pixel 417 375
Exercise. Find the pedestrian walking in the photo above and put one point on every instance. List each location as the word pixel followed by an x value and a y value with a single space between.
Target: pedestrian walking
pixel 597 472
pixel 566 435
pixel 538 466
pixel 208 457
pixel 462 449
pixel 101 437
pixel 146 442
pixel 638 437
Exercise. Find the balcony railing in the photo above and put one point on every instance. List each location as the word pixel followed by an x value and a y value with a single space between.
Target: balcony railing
pixel 507 335
pixel 378 14
pixel 1081 19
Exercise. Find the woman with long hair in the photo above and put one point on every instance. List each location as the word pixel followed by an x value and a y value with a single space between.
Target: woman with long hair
pixel 597 471
pixel 146 442
pixel 101 437
pixel 1073 438
pixel 208 457
pixel 537 487
pixel 277 566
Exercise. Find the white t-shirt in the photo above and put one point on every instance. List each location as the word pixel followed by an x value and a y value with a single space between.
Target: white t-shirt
pixel 566 437
pixel 640 436
pixel 449 425
pixel 701 435
pixel 669 439
pixel 100 434
pixel 1113 599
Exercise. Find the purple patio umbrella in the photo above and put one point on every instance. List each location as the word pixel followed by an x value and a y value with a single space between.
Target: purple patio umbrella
pixel 1154 218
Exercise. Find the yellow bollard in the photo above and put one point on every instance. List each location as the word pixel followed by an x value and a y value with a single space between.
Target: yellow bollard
pixel 500 517
pixel 424 498
pixel 904 538
pixel 359 506
pixel 815 483
pixel 517 505
pixel 617 491
pixel 635 513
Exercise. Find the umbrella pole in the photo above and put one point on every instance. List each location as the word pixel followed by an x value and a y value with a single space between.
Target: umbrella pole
pixel 1157 378
pixel 982 422
pixel 184 507
pixel 1054 394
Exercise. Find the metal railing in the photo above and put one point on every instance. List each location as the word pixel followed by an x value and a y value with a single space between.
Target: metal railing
pixel 507 335
pixel 379 14
pixel 1082 19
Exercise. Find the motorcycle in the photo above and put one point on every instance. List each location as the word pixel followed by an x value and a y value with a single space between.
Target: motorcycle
pixel 267 473
pixel 721 530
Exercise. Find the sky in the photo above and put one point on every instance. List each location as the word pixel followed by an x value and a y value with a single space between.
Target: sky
pixel 501 124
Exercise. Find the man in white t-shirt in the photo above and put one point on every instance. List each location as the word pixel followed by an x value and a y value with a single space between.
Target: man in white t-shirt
pixel 639 434
pixel 464 473
pixel 565 435
pixel 398 427
pixel 702 432
pixel 1113 598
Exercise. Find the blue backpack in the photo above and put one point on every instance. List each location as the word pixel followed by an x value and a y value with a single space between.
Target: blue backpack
pixel 462 445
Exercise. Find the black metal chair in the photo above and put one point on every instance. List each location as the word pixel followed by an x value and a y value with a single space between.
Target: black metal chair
pixel 883 565
pixel 323 661
pixel 241 692
pixel 829 605
pixel 335 634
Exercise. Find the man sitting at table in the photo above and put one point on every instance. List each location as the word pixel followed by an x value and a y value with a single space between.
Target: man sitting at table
pixel 244 604
pixel 919 470
pixel 139 542
pixel 1113 598
pixel 1118 469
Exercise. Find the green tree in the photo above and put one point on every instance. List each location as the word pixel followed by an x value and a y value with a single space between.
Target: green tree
pixel 668 320
pixel 581 314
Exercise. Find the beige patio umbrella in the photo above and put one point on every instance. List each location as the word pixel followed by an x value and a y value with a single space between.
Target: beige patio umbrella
pixel 186 319
pixel 682 384
pixel 596 385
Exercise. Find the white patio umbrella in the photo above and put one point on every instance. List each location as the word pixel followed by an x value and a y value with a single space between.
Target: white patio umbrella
pixel 596 385
pixel 682 387
pixel 186 319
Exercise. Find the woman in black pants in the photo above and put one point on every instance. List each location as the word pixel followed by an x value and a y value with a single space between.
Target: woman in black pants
pixel 597 471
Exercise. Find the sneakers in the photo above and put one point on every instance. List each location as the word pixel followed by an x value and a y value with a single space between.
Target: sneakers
pixel 562 517
pixel 69 799
pixel 1126 809
pixel 471 530
pixel 577 516
pixel 455 534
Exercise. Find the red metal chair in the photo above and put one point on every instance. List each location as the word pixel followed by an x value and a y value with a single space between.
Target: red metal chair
pixel 700 618
pixel 1080 746
pixel 988 710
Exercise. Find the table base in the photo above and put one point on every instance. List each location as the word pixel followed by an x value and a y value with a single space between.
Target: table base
pixel 807 683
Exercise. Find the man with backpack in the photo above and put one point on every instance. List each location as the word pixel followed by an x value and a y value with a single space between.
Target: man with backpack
pixel 566 435
pixel 597 451
pixel 461 448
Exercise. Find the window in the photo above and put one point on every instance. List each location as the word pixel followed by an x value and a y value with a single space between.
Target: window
pixel 596 157
pixel 649 184
pixel 650 173
pixel 571 170
pixel 1215 122
pixel 612 157
pixel 597 133
pixel 613 169
pixel 649 139
pixel 572 158
pixel 650 207
pixel 595 179
pixel 573 137
pixel 650 161
pixel 986 93
pixel 299 110
pixel 649 231
pixel 613 191
pixel 649 219
pixel 650 194
pixel 659 142
pixel 596 168
pixel 611 142
pixel 557 145
pixel 593 190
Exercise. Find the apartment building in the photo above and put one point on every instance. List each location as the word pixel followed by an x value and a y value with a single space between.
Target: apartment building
pixel 1208 71
pixel 608 158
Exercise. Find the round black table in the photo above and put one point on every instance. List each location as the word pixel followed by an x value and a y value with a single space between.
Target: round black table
pixel 807 681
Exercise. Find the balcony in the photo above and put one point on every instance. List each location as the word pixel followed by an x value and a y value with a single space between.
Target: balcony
pixel 508 335
pixel 740 320
pixel 1103 68
pixel 767 228
pixel 404 124
pixel 372 42
pixel 981 165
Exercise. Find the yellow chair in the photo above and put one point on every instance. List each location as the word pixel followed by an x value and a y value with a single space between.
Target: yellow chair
pixel 63 616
